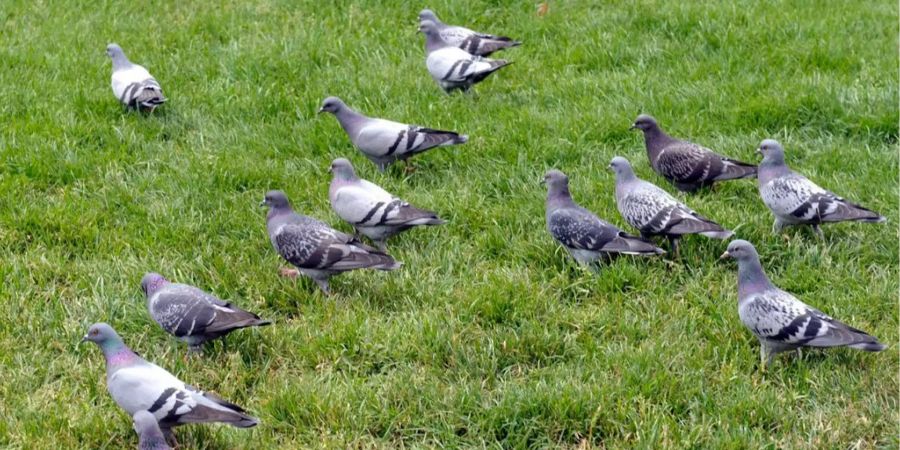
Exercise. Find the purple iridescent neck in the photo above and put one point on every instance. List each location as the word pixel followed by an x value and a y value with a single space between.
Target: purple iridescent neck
pixel 656 139
pixel 154 283
pixel 771 168
pixel 277 211
pixel 117 355
pixel 751 278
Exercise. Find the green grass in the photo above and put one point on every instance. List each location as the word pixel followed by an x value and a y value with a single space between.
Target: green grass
pixel 489 336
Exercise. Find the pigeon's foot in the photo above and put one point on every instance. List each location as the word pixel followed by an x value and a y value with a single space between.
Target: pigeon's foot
pixel 170 437
pixel 288 272
pixel 409 168
pixel 818 230
pixel 323 285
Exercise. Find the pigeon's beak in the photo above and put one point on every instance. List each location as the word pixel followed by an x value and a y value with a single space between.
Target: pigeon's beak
pixel 83 338
pixel 759 150
pixel 633 127
pixel 725 255
pixel 320 111
pixel 543 181
pixel 262 203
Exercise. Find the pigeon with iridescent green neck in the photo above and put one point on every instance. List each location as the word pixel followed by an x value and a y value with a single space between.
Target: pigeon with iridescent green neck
pixel 137 385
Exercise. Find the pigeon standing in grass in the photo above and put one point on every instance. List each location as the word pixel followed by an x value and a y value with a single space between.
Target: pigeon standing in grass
pixel 192 315
pixel 475 43
pixel 451 67
pixel 384 141
pixel 587 238
pixel 654 212
pixel 370 209
pixel 687 165
pixel 779 320
pixel 795 200
pixel 138 385
pixel 132 84
pixel 149 435
pixel 316 249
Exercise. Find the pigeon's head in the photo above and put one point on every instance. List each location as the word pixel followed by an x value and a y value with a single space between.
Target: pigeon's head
pixel 428 28
pixel 151 282
pixel 342 169
pixel 771 151
pixel 740 250
pixel 144 421
pixel 100 333
pixel 114 51
pixel 276 199
pixel 555 179
pixel 621 167
pixel 644 123
pixel 332 105
pixel 428 14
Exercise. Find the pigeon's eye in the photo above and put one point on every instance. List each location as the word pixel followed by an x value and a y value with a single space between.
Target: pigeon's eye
pixel 95 332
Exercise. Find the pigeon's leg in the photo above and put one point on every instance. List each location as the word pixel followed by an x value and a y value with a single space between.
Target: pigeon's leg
pixel 195 349
pixel 818 231
pixel 382 166
pixel 288 272
pixel 777 226
pixel 381 245
pixel 323 284
pixel 408 168
pixel 170 437
pixel 356 234
pixel 764 357
pixel 673 242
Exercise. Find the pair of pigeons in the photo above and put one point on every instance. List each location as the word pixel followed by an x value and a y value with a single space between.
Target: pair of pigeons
pixel 456 57
pixel 319 251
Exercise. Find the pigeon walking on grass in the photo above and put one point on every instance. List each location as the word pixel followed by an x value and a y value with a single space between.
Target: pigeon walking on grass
pixel 687 165
pixel 138 385
pixel 384 141
pixel 192 315
pixel 654 212
pixel 317 250
pixel 587 238
pixel 149 435
pixel 472 42
pixel 132 84
pixel 779 320
pixel 451 67
pixel 795 200
pixel 370 209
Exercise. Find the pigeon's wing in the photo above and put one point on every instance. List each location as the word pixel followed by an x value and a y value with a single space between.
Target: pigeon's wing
pixel 580 229
pixel 386 138
pixel 322 248
pixel 455 35
pixel 797 197
pixel 689 163
pixel 647 208
pixel 212 408
pixel 454 65
pixel 134 86
pixel 361 206
pixel 147 386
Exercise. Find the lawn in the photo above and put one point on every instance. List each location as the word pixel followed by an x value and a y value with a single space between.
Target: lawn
pixel 489 336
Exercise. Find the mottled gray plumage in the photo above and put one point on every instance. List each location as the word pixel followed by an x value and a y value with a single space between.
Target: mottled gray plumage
pixel 472 42
pixel 587 237
pixel 779 320
pixel 687 165
pixel 654 212
pixel 132 84
pixel 149 434
pixel 316 249
pixel 451 67
pixel 795 200
pixel 370 209
pixel 137 385
pixel 384 141
pixel 192 315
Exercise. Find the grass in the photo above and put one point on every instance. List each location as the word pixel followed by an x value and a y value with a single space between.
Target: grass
pixel 489 336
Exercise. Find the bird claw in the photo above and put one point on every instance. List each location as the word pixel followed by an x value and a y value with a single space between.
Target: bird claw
pixel 288 273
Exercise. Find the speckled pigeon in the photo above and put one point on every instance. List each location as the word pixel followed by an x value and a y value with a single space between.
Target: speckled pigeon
pixel 687 165
pixel 370 209
pixel 149 435
pixel 132 84
pixel 451 67
pixel 587 238
pixel 316 249
pixel 779 320
pixel 795 200
pixel 654 211
pixel 475 43
pixel 192 315
pixel 137 385
pixel 384 141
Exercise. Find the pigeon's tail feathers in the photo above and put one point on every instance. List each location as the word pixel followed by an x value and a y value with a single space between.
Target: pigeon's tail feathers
pixel 461 139
pixel 427 221
pixel 734 169
pixel 369 259
pixel 724 234
pixel 632 245
pixel 871 346
pixel 212 408
pixel 851 211
pixel 495 65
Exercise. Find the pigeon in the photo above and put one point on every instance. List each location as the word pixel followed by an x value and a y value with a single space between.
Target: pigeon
pixel 795 200
pixel 654 212
pixel 370 209
pixel 687 165
pixel 384 141
pixel 151 437
pixel 587 238
pixel 136 385
pixel 472 42
pixel 779 320
pixel 132 84
pixel 316 249
pixel 452 67
pixel 191 314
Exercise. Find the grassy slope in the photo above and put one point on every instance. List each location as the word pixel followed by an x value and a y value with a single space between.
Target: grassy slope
pixel 488 336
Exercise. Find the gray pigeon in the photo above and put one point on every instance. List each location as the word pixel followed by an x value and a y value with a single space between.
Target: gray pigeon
pixel 191 314
pixel 795 200
pixel 654 211
pixel 149 435
pixel 779 320
pixel 587 238
pixel 138 385
pixel 475 43
pixel 316 249
pixel 687 165
pixel 370 209
pixel 132 84
pixel 451 67
pixel 384 141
